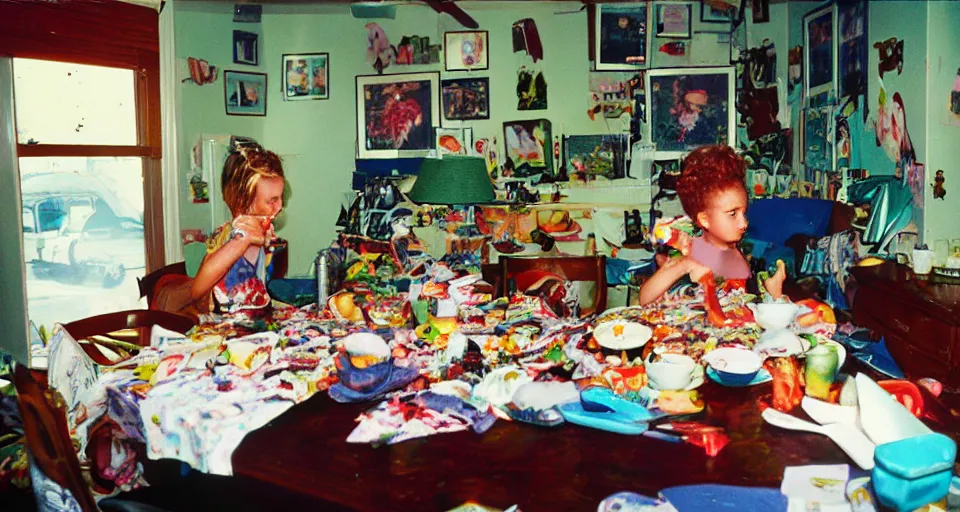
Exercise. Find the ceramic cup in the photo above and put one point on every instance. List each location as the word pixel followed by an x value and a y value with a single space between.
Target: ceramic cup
pixel 820 370
pixel 923 261
pixel 673 371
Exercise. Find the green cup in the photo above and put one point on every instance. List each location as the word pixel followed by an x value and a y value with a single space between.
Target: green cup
pixel 820 370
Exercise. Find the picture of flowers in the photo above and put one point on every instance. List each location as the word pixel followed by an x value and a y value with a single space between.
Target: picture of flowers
pixel 245 94
pixel 466 98
pixel 689 108
pixel 588 157
pixel 306 77
pixel 818 44
pixel 527 144
pixel 397 114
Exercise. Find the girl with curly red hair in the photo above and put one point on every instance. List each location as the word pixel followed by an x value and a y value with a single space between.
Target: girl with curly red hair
pixel 712 191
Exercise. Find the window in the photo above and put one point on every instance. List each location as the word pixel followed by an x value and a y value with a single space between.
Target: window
pixel 86 101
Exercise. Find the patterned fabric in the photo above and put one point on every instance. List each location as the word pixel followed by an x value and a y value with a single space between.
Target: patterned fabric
pixel 830 261
pixel 50 497
pixel 243 288
pixel 98 398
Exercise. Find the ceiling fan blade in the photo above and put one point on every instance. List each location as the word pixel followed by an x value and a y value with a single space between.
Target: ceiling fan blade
pixel 454 11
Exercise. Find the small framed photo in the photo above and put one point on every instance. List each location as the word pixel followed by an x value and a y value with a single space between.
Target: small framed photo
pixel 466 98
pixel 673 20
pixel 465 51
pixel 820 51
pixel 306 76
pixel 620 37
pixel 710 14
pixel 245 94
pixel 245 48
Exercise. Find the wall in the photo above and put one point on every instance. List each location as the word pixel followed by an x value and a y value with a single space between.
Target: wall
pixel 205 30
pixel 943 128
pixel 317 139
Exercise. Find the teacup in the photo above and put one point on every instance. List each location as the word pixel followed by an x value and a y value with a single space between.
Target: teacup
pixel 923 261
pixel 672 372
pixel 774 316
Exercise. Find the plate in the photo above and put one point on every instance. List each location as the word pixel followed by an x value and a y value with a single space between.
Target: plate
pixel 620 335
pixel 762 376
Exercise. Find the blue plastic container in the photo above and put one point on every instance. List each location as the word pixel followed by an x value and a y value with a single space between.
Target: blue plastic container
pixel 913 472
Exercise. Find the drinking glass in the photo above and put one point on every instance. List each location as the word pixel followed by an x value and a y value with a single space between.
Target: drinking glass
pixel 941 248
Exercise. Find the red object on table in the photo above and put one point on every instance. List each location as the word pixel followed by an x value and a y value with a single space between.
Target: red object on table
pixel 907 393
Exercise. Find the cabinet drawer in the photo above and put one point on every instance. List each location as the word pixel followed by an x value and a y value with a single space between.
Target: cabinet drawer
pixel 916 363
pixel 894 316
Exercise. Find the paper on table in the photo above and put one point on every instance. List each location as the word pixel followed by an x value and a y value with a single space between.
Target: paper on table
pixel 823 484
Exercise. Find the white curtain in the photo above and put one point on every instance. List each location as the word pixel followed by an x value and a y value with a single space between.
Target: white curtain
pixel 170 120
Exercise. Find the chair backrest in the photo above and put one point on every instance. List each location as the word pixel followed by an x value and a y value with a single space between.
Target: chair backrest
pixel 148 283
pixel 48 438
pixel 572 268
pixel 108 329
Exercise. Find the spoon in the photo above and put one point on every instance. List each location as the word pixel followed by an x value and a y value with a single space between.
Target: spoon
pixel 850 439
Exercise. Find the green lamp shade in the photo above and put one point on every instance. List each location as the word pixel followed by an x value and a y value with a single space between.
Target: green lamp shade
pixel 453 180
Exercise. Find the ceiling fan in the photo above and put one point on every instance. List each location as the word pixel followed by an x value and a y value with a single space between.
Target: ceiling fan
pixel 441 6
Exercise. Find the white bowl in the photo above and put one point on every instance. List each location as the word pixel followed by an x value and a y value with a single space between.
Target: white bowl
pixel 780 343
pixel 734 365
pixel 672 372
pixel 633 335
pixel 774 316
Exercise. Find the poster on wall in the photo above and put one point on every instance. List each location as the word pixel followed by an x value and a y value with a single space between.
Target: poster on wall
pixel 852 64
pixel 588 157
pixel 820 52
pixel 397 114
pixel 245 94
pixel 306 76
pixel 620 37
pixel 818 146
pixel 527 145
pixel 465 51
pixel 690 107
pixel 466 98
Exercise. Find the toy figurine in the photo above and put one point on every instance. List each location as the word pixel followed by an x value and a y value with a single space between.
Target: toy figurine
pixel 939 192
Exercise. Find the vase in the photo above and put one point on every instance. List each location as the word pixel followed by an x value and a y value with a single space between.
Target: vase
pixel 820 370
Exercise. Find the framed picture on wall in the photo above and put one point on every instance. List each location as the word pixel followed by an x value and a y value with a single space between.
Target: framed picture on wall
pixel 711 14
pixel 306 76
pixel 245 48
pixel 621 37
pixel 466 98
pixel 245 94
pixel 465 51
pixel 690 107
pixel 673 20
pixel 852 41
pixel 397 115
pixel 820 52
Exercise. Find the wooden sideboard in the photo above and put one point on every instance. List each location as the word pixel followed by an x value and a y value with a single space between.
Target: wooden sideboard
pixel 918 315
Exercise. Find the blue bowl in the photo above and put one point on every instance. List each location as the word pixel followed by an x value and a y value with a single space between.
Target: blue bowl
pixel 734 366
pixel 364 379
pixel 736 379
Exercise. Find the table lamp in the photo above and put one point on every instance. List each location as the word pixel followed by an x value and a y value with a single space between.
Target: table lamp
pixel 453 180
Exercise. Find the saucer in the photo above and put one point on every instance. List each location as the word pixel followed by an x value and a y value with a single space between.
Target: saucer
pixel 762 376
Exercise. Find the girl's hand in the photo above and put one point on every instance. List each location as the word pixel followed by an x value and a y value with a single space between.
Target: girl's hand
pixel 252 227
pixel 695 270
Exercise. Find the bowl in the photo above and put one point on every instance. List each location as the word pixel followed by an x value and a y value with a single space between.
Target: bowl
pixel 774 316
pixel 672 372
pixel 621 335
pixel 734 366
pixel 365 349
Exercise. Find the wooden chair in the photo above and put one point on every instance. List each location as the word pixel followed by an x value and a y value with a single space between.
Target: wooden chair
pixel 122 332
pixel 572 268
pixel 148 283
pixel 48 438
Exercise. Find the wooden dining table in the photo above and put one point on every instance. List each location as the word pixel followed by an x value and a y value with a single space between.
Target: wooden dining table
pixel 538 468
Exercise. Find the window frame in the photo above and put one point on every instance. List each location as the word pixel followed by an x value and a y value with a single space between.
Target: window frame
pixel 100 33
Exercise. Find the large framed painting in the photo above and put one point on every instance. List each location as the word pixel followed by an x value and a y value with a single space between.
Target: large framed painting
pixel 690 107
pixel 397 115
pixel 820 52
pixel 621 37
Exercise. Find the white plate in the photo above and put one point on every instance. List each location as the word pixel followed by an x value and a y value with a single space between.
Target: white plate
pixel 634 335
